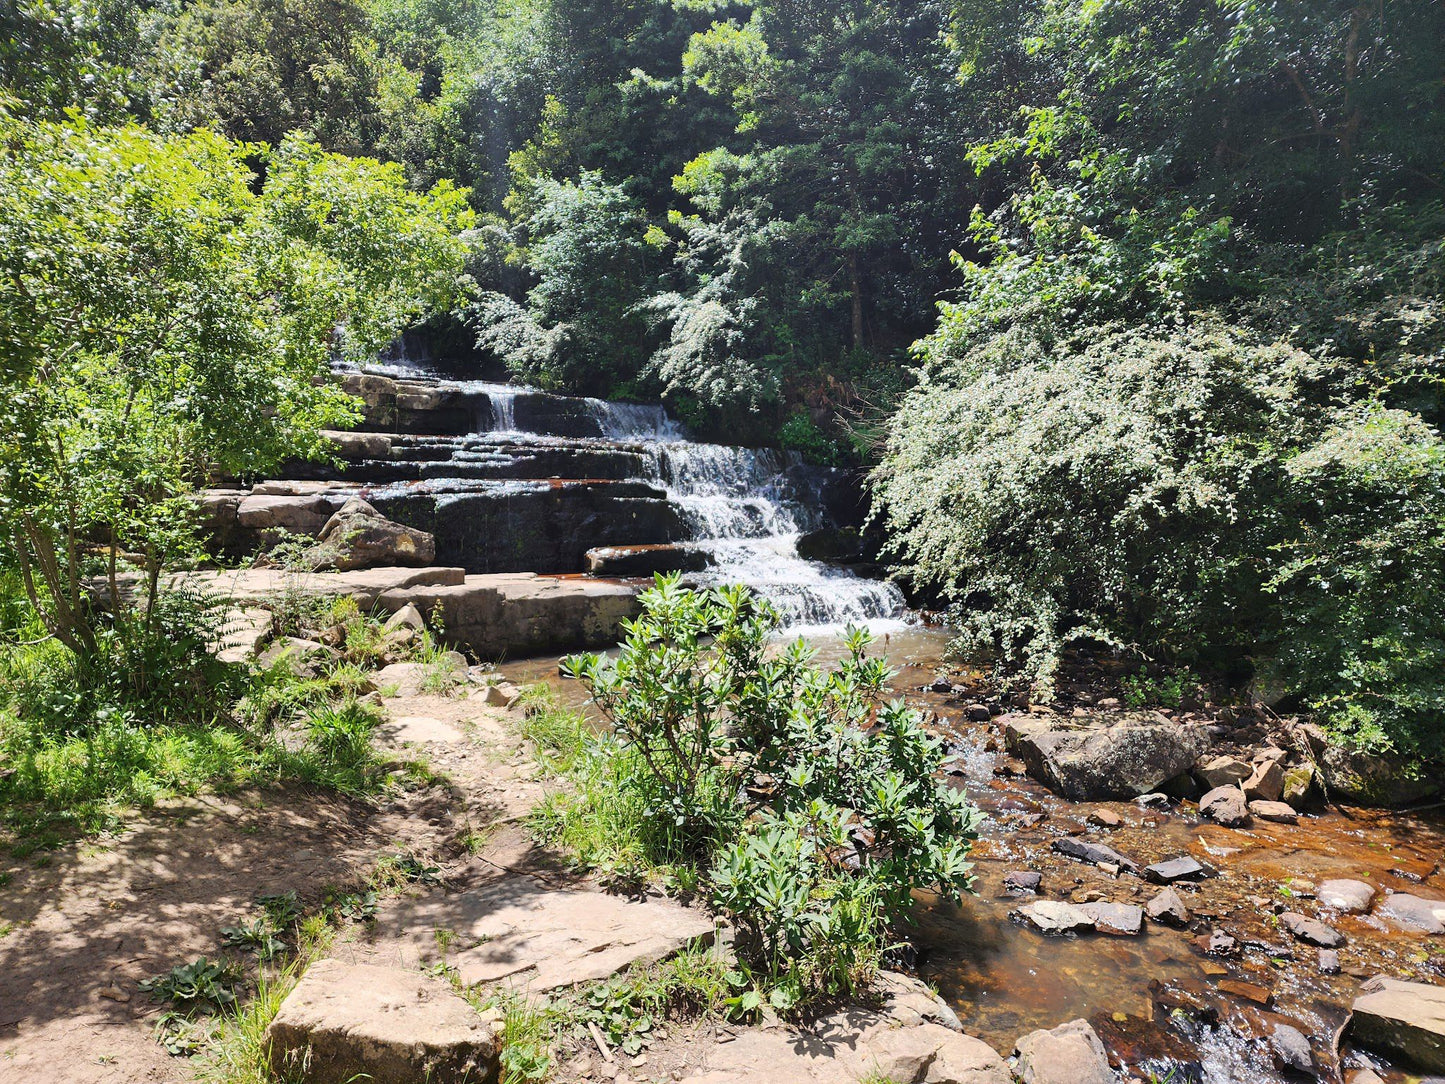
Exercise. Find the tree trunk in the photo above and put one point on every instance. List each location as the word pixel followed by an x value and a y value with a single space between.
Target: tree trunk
pixel 856 283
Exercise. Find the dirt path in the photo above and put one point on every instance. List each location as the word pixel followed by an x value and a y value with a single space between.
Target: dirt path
pixel 86 923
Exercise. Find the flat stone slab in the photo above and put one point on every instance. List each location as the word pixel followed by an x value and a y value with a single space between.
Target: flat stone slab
pixel 1123 919
pixel 1094 853
pixel 911 1037
pixel 1183 868
pixel 1311 930
pixel 1054 916
pixel 386 1025
pixel 253 586
pixel 539 938
pixel 1404 1019
pixel 1413 912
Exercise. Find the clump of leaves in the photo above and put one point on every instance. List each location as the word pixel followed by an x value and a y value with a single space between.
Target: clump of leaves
pixel 282 908
pixel 199 986
pixel 354 906
pixel 802 800
pixel 257 937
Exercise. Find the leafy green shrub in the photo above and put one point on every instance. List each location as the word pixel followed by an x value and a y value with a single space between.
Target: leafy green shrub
pixel 806 805
pixel 1200 496
pixel 199 986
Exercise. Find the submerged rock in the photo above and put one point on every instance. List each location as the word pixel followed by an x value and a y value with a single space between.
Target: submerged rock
pixel 1071 1053
pixel 1103 756
pixel 1117 918
pixel 1402 1019
pixel 1022 881
pixel 386 1025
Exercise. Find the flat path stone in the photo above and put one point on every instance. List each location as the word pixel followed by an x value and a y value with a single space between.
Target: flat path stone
pixel 911 1037
pixel 386 1025
pixel 1403 1019
pixel 539 938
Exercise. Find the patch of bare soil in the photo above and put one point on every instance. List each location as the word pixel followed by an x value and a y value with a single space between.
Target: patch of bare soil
pixel 89 922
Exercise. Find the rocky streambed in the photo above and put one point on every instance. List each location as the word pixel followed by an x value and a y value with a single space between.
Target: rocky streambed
pixel 1197 950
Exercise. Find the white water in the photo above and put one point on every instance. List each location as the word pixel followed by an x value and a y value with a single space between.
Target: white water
pixel 738 503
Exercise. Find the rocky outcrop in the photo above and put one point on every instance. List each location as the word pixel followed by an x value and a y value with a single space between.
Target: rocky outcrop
pixel 1071 1053
pixel 358 536
pixel 911 1036
pixel 1104 755
pixel 345 1022
pixel 1402 1019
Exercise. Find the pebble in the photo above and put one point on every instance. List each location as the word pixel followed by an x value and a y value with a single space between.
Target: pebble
pixel 1329 962
pixel 1105 818
pixel 115 993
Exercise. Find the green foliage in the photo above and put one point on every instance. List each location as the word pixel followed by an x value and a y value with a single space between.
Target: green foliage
pixel 199 986
pixel 1158 690
pixel 804 802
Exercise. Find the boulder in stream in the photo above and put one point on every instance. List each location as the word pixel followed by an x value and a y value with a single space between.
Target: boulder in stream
pixel 1167 909
pixel 1226 806
pixel 1405 1020
pixel 1071 1053
pixel 1123 919
pixel 1104 755
pixel 1054 916
pixel 1291 1049
pixel 1311 930
pixel 1341 894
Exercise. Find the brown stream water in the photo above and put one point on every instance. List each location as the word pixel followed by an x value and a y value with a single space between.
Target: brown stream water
pixel 1160 1005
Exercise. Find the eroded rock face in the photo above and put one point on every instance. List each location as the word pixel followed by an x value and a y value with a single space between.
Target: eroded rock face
pixel 387 1025
pixel 1104 756
pixel 1069 1054
pixel 1402 1019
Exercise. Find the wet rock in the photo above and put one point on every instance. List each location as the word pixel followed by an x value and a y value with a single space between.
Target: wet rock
pixel 387 1025
pixel 1266 783
pixel 1226 806
pixel 1223 771
pixel 941 685
pixel 1071 1053
pixel 1329 962
pixel 1247 991
pixel 1375 780
pixel 1352 897
pixel 1153 800
pixel 645 560
pixel 1101 756
pixel 1105 818
pixel 358 536
pixel 1054 917
pixel 1217 943
pixel 1022 881
pixel 1364 1076
pixel 1094 853
pixel 1123 919
pixel 977 713
pixel 1291 1049
pixel 1168 909
pixel 1401 1019
pixel 1182 868
pixel 1278 812
pixel 1311 930
pixel 1413 912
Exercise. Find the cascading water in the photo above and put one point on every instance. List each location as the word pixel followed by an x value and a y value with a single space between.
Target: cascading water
pixel 746 508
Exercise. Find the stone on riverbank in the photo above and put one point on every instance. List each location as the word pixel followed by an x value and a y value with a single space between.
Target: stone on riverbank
pixel 912 1037
pixel 382 1024
pixel 1402 1019
pixel 1226 806
pixel 1372 779
pixel 1266 783
pixel 1223 771
pixel 1071 1053
pixel 1278 812
pixel 1102 756
pixel 358 536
